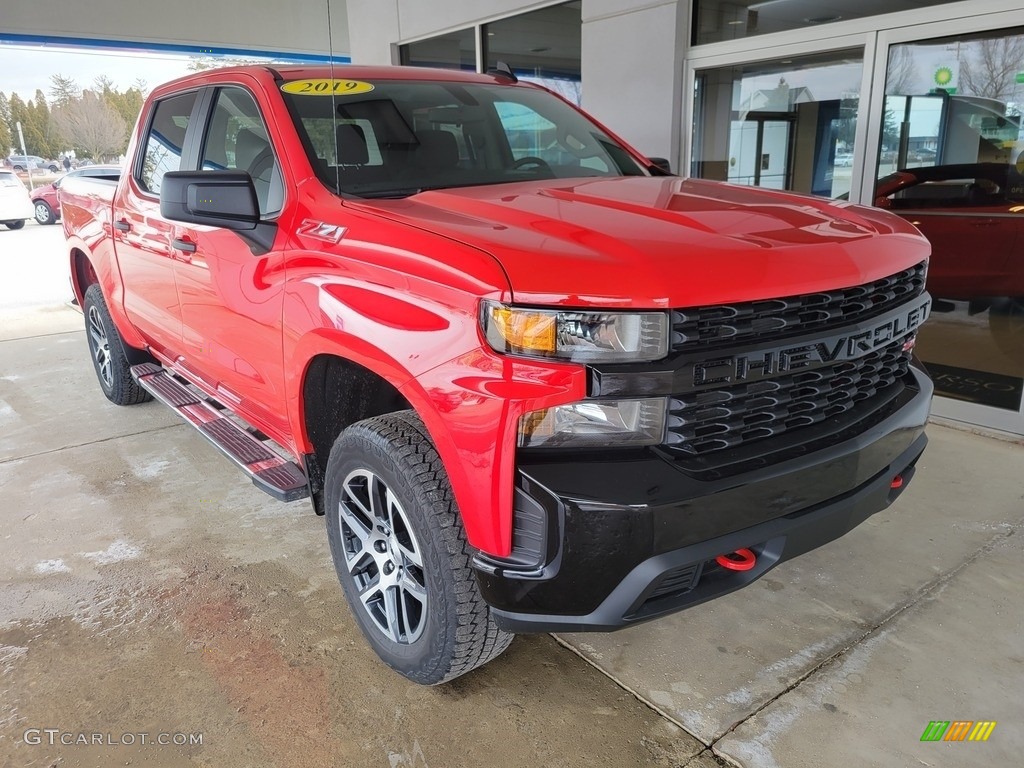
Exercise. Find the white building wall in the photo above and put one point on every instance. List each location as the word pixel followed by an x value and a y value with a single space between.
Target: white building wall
pixel 299 26
pixel 631 57
pixel 632 71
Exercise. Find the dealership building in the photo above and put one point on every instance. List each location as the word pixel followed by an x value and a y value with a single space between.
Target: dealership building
pixel 907 105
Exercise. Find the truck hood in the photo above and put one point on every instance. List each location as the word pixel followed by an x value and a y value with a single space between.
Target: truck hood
pixel 662 242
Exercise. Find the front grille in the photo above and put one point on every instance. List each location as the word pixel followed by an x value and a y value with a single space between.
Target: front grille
pixel 702 423
pixel 728 325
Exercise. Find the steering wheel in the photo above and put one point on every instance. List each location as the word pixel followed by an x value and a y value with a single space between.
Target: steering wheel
pixel 523 162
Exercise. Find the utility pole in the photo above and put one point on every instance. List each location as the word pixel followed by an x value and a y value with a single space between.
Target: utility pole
pixel 24 153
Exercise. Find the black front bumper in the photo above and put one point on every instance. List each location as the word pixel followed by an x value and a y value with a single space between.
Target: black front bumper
pixel 605 542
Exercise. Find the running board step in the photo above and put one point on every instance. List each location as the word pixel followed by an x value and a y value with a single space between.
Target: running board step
pixel 282 479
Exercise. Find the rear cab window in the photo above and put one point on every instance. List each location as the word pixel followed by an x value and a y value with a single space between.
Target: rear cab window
pixel 165 140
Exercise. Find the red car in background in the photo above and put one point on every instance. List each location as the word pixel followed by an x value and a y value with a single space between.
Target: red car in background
pixel 973 215
pixel 44 198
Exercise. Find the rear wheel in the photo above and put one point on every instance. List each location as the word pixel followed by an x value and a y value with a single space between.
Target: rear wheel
pixel 44 213
pixel 108 352
pixel 14 224
pixel 401 553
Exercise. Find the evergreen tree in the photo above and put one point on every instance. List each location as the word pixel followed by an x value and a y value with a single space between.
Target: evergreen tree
pixel 44 139
pixel 19 113
pixel 103 85
pixel 63 90
pixel 127 104
pixel 6 134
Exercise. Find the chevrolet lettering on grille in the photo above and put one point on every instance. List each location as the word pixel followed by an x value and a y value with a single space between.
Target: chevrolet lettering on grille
pixel 848 345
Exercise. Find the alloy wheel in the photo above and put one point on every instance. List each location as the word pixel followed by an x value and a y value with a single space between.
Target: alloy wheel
pixel 100 345
pixel 383 557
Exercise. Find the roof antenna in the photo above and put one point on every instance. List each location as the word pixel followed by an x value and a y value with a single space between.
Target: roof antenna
pixel 501 69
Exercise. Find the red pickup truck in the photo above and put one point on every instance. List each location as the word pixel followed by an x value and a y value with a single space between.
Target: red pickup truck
pixel 534 381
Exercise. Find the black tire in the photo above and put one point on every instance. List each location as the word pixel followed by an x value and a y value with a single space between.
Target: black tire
pixel 44 213
pixel 107 350
pixel 451 632
pixel 15 224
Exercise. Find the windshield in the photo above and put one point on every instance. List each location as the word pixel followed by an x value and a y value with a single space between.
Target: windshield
pixel 392 138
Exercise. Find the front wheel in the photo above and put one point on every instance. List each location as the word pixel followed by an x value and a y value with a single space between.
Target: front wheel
pixel 108 352
pixel 15 224
pixel 44 213
pixel 401 553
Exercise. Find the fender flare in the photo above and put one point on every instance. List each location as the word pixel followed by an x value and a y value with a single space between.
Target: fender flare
pixel 324 341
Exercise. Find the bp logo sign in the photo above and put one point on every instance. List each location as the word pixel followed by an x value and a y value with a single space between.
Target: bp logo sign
pixel 943 76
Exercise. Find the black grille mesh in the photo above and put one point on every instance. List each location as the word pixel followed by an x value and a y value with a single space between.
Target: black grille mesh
pixel 704 422
pixel 714 326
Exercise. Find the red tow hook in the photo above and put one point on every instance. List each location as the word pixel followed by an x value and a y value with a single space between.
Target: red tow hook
pixel 740 560
pixel 897 482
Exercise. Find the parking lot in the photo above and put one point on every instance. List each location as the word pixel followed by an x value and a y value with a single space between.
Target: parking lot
pixel 147 588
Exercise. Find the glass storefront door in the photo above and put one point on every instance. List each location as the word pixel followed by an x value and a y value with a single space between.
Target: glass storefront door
pixel 951 161
pixel 928 126
pixel 783 124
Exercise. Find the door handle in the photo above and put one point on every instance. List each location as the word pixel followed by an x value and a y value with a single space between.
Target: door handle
pixel 122 225
pixel 186 246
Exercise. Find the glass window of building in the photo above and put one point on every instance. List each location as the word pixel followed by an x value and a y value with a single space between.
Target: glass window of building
pixel 455 50
pixel 542 46
pixel 718 20
pixel 951 162
pixel 784 124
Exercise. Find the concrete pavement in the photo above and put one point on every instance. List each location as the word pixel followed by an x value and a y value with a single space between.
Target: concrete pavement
pixel 146 587
pixel 844 655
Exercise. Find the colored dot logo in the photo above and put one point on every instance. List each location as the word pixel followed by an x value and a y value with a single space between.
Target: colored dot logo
pixel 943 76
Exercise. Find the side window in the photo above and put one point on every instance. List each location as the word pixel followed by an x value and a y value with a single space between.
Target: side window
pixel 165 140
pixel 237 139
pixel 965 193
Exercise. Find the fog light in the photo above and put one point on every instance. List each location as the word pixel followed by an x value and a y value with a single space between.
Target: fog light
pixel 595 423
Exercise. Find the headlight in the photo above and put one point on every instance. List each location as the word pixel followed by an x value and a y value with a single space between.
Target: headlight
pixel 598 337
pixel 595 423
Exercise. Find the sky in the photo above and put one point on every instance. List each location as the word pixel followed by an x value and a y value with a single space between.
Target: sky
pixel 24 69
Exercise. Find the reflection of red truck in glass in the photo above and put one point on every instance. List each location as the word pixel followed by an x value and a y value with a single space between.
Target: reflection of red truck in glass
pixel 532 390
pixel 973 215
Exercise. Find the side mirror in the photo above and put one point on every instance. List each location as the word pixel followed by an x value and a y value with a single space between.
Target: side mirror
pixel 215 198
pixel 661 163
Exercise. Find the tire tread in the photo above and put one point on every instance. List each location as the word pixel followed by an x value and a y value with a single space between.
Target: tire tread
pixel 125 389
pixel 478 639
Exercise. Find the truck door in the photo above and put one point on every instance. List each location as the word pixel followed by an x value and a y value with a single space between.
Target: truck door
pixel 231 294
pixel 142 239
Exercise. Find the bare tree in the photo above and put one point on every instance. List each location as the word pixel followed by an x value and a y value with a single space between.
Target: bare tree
pixel 90 124
pixel 899 77
pixel 991 67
